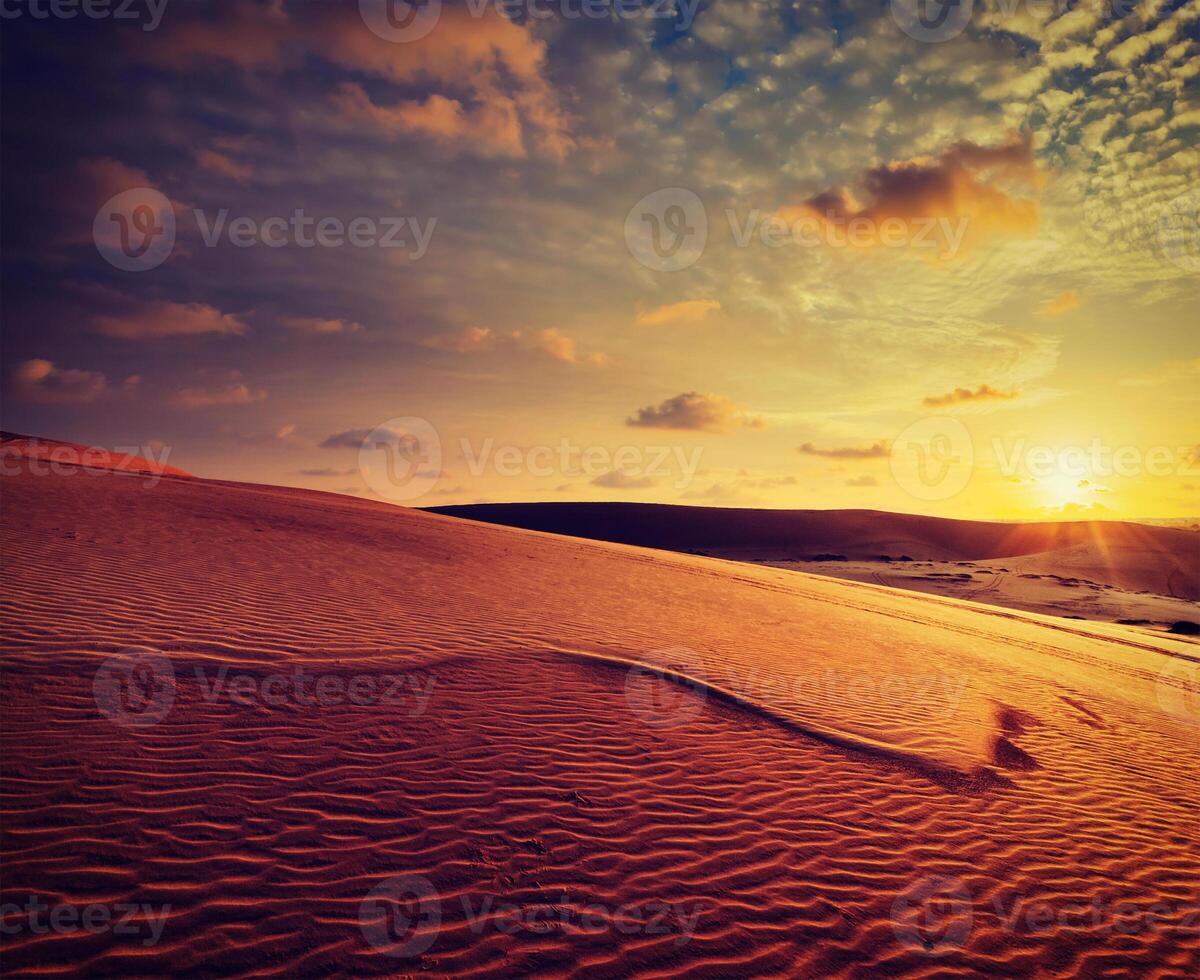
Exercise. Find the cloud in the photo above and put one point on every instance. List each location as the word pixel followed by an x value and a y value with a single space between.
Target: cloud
pixel 968 186
pixel 691 410
pixel 767 482
pixel 550 341
pixel 554 343
pixel 349 439
pixel 1182 373
pixel 866 480
pixel 1064 302
pixel 41 381
pixel 879 450
pixel 617 480
pixel 315 325
pixel 961 396
pixel 232 394
pixel 160 318
pixel 490 128
pixel 73 194
pixel 220 163
pixel 492 97
pixel 464 341
pixel 687 311
pixel 329 471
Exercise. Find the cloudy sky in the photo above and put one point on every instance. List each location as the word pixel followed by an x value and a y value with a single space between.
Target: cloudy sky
pixel 772 254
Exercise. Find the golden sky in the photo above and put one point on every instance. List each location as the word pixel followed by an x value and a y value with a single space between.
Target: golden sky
pixel 760 254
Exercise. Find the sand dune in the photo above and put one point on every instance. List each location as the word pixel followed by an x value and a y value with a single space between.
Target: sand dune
pixel 1164 561
pixel 300 734
pixel 53 452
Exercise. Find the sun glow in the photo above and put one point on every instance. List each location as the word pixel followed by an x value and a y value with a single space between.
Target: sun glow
pixel 1061 490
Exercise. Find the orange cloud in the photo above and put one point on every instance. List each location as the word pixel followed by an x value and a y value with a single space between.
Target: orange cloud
pixel 687 311
pixel 77 192
pixel 249 35
pixel 226 166
pixel 693 410
pixel 556 344
pixel 491 93
pixel 234 394
pixel 1064 302
pixel 160 318
pixel 492 128
pixel 963 197
pixel 315 325
pixel 550 341
pixel 465 341
pixel 961 395
pixel 42 381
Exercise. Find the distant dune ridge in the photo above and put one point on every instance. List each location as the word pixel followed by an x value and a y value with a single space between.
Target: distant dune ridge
pixel 309 734
pixel 14 446
pixel 1131 556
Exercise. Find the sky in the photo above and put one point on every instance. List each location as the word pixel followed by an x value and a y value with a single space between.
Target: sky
pixel 732 253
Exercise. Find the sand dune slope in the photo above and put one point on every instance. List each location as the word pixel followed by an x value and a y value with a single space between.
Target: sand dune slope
pixel 301 735
pixel 1135 557
pixel 52 455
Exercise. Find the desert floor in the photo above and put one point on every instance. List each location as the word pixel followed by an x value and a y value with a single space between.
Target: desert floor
pixel 300 734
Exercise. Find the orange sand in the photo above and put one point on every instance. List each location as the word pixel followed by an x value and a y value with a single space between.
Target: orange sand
pixel 599 760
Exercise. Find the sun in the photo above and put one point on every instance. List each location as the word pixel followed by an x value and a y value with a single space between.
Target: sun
pixel 1060 490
